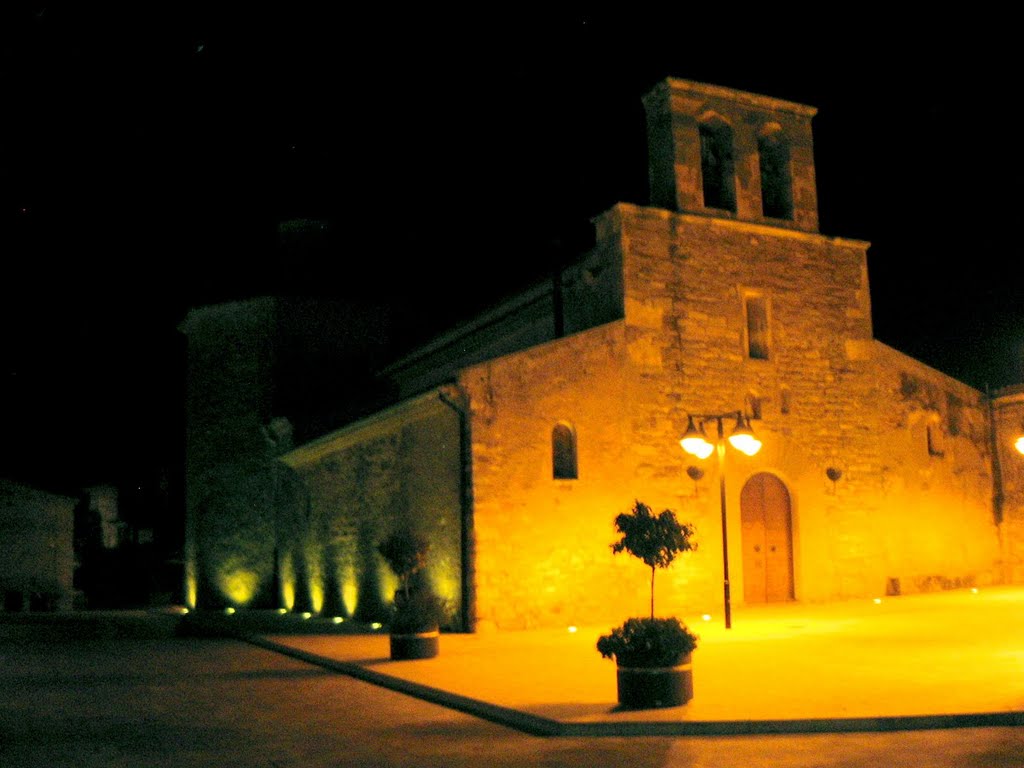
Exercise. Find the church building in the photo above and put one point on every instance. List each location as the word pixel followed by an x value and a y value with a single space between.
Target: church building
pixel 514 440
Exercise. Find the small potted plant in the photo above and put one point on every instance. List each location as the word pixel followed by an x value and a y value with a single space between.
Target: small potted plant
pixel 652 655
pixel 416 615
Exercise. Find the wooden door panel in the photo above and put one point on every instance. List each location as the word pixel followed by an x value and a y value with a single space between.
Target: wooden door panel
pixel 753 533
pixel 767 540
pixel 778 559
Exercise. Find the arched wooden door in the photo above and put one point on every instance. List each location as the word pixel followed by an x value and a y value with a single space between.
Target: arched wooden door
pixel 767 540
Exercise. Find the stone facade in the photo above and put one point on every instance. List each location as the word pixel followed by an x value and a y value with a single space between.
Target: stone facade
pixel 910 511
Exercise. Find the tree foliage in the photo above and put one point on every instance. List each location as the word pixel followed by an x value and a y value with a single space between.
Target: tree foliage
pixel 655 540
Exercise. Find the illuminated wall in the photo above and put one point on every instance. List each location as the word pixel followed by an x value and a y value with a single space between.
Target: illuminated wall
pixel 1008 414
pixel 542 544
pixel 398 469
pixel 935 527
pixel 251 525
pixel 228 399
pixel 910 510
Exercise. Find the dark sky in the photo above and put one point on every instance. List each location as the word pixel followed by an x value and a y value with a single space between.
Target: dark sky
pixel 149 155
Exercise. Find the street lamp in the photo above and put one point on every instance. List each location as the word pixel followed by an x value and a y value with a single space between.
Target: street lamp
pixel 1019 444
pixel 695 442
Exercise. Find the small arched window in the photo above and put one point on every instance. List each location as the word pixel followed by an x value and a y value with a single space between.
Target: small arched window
pixel 716 164
pixel 563 452
pixel 776 179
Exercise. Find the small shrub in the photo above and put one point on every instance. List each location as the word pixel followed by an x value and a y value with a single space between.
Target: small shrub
pixel 643 642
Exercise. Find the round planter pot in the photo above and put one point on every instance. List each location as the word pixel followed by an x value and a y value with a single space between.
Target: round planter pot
pixel 422 645
pixel 649 687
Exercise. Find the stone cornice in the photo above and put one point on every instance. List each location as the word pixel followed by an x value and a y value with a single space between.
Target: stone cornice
pixel 665 88
pixel 631 209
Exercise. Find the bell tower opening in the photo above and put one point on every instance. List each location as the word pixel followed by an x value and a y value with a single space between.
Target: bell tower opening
pixel 776 180
pixel 716 165
pixel 725 153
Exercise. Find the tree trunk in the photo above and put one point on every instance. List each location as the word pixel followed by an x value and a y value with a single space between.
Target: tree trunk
pixel 652 591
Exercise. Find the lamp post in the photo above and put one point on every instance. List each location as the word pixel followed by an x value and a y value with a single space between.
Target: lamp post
pixel 695 442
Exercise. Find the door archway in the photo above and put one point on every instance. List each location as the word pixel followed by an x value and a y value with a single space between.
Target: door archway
pixel 767 530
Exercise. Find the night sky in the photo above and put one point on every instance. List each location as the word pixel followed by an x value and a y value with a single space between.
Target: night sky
pixel 149 156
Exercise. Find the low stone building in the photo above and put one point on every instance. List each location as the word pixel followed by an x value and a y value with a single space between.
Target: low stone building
pixel 37 528
pixel 515 440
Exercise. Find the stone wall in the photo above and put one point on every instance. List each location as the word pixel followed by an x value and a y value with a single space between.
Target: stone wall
pixel 398 469
pixel 228 399
pixel 686 278
pixel 935 524
pixel 248 525
pixel 542 544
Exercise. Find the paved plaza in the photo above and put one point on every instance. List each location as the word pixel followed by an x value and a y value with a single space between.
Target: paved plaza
pixel 937 660
pixel 124 690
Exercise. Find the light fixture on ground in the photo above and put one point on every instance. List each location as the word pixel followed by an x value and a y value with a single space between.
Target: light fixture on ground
pixel 696 443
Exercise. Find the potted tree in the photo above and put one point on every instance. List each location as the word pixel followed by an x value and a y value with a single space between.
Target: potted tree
pixel 652 655
pixel 415 622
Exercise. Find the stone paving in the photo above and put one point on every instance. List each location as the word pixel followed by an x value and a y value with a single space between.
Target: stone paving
pixel 948 659
pixel 123 690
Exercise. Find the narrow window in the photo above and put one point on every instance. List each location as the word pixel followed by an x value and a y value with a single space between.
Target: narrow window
pixel 776 180
pixel 756 308
pixel 934 446
pixel 563 452
pixel 786 397
pixel 755 406
pixel 716 165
